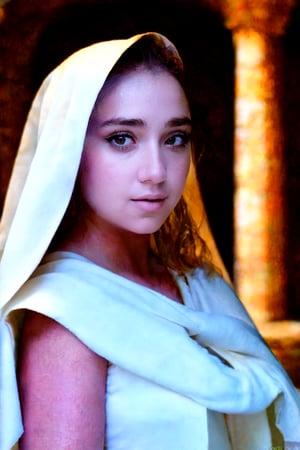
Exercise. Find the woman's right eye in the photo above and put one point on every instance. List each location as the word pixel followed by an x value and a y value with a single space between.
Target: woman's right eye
pixel 120 140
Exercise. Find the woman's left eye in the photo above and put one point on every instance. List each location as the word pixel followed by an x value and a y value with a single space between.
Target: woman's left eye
pixel 178 140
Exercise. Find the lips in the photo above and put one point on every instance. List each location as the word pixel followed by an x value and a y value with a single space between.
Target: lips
pixel 150 198
pixel 150 203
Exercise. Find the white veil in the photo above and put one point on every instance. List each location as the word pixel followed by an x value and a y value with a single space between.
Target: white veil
pixel 41 186
pixel 50 150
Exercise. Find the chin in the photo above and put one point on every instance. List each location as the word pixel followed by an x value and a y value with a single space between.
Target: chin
pixel 144 226
pixel 146 230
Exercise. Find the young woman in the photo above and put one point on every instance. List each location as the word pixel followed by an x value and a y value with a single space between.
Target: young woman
pixel 125 335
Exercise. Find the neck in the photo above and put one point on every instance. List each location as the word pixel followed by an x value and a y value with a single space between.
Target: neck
pixel 119 251
pixel 124 253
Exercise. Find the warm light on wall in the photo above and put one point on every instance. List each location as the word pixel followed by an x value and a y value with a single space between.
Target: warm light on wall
pixel 259 245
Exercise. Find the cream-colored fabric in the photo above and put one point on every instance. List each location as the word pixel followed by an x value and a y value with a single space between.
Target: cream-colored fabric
pixel 39 192
pixel 155 340
pixel 48 160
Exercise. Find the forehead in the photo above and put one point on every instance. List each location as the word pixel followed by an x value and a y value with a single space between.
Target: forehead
pixel 143 87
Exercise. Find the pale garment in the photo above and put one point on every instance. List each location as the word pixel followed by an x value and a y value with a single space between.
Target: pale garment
pixel 166 387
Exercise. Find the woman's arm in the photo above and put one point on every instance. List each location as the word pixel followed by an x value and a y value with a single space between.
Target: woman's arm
pixel 62 388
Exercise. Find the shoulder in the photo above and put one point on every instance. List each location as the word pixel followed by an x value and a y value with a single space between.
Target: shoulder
pixel 57 374
pixel 210 282
pixel 52 341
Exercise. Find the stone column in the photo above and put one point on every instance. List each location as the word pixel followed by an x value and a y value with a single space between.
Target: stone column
pixel 260 276
pixel 259 272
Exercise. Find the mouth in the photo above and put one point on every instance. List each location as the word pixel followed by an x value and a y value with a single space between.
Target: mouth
pixel 150 199
pixel 151 203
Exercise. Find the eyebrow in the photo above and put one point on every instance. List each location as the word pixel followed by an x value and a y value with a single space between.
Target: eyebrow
pixel 121 121
pixel 175 122
pixel 179 121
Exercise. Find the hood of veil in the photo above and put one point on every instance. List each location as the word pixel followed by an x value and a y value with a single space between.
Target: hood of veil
pixel 48 158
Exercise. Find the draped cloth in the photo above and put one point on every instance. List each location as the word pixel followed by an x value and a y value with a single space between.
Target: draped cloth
pixel 155 338
pixel 79 294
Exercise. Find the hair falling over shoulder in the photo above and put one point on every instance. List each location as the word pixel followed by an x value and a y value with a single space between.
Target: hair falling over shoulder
pixel 179 244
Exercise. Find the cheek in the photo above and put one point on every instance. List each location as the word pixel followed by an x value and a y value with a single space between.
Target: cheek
pixel 188 164
pixel 90 175
pixel 98 177
pixel 181 170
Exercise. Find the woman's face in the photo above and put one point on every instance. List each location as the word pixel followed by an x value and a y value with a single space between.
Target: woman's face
pixel 137 152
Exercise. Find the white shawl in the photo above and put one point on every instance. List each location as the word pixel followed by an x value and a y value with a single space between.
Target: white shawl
pixel 148 334
pixel 38 195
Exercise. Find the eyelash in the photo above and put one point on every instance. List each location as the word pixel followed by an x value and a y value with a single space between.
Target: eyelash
pixel 114 137
pixel 184 137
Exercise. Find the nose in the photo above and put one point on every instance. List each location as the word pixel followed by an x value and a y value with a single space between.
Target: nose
pixel 153 167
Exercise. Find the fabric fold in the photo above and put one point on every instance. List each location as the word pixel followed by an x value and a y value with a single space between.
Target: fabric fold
pixel 104 310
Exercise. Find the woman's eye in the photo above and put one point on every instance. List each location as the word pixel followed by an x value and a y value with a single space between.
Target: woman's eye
pixel 120 140
pixel 178 140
